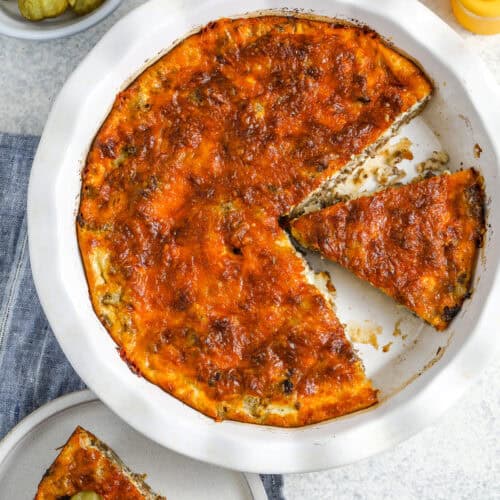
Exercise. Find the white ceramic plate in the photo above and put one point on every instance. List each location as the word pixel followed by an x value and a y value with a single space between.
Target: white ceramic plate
pixel 415 385
pixel 14 25
pixel 29 449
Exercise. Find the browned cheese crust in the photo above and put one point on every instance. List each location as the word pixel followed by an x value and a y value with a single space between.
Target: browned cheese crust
pixel 187 265
pixel 418 243
pixel 87 464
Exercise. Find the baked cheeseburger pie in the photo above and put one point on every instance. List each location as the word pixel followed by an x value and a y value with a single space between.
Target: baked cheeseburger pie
pixel 188 267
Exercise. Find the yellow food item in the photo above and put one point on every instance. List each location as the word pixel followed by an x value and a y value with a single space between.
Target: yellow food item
pixel 82 7
pixel 478 16
pixel 86 495
pixel 36 10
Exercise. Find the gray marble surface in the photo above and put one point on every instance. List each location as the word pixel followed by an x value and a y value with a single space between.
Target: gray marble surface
pixel 456 458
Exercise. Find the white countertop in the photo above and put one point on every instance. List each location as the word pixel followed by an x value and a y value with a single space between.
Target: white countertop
pixel 458 457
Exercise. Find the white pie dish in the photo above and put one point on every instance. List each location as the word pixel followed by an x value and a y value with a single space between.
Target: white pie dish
pixel 415 388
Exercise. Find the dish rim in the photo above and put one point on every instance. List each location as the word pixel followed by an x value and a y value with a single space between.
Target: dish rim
pixel 401 410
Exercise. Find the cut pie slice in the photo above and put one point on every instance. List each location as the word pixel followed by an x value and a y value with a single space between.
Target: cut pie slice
pixel 87 469
pixel 418 243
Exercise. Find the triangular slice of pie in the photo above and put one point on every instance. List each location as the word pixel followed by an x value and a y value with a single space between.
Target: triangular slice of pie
pixel 418 242
pixel 87 469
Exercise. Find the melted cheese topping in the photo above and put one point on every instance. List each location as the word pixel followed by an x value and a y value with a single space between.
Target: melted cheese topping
pixel 87 465
pixel 188 267
pixel 418 243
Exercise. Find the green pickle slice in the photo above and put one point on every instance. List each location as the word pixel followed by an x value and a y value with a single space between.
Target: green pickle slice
pixel 82 7
pixel 86 495
pixel 35 10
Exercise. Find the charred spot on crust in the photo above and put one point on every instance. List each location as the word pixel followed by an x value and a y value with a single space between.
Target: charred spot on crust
pixel 150 187
pixel 342 349
pixel 450 312
pixel 475 201
pixel 321 166
pixel 474 196
pixel 214 378
pixel 48 472
pixel 107 148
pixel 259 358
pixel 221 325
pixel 182 300
pixel 90 191
pixel 364 99
pixel 129 150
pixel 313 72
pixel 284 222
pixel 132 366
pixel 80 220
pixel 287 386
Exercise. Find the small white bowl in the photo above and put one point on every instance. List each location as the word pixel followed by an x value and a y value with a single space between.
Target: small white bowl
pixel 68 23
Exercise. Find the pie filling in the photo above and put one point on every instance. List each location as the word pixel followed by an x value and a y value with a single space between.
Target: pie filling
pixel 182 194
pixel 418 243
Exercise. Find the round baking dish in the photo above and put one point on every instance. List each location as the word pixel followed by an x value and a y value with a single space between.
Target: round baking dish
pixel 418 380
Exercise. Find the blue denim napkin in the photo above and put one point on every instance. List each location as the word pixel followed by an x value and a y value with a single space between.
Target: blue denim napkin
pixel 33 369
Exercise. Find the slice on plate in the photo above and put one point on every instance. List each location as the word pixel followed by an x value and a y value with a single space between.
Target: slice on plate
pixel 87 469
pixel 418 243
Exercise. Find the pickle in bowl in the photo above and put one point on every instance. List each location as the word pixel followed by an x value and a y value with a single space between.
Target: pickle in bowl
pixel 36 10
pixel 82 7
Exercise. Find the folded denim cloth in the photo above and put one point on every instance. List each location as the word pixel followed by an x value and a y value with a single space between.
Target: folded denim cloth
pixel 33 369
